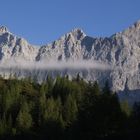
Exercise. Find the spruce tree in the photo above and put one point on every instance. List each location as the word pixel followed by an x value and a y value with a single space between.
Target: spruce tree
pixel 24 118
pixel 70 110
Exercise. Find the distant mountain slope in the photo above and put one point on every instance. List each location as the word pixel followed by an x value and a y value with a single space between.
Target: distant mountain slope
pixel 121 52
pixel 14 47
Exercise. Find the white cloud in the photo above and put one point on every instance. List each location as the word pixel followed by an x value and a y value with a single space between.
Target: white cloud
pixel 54 65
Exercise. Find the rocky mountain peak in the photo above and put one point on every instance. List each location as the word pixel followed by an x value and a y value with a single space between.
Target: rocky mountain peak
pixel 137 24
pixel 121 51
pixel 77 33
pixel 132 32
pixel 3 29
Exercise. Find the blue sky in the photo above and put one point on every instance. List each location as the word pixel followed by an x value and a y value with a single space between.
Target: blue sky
pixel 42 21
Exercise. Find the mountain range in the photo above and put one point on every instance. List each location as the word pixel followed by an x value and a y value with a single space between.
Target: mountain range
pixel 115 58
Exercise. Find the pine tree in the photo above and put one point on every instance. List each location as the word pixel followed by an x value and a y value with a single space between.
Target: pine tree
pixel 96 88
pixel 24 118
pixel 70 110
pixel 126 108
pixel 52 110
pixel 78 78
pixel 5 126
pixel 41 105
pixel 50 84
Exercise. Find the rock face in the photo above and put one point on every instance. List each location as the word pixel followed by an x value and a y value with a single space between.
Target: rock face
pixel 12 47
pixel 121 52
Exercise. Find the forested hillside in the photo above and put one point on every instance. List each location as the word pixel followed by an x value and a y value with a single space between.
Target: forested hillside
pixel 64 109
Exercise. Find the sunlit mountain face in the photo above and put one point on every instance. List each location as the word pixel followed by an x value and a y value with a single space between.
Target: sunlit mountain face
pixel 115 58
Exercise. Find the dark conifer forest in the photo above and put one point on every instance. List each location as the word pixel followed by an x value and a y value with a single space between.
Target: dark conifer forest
pixel 63 109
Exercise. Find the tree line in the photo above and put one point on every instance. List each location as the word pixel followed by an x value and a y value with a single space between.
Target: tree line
pixel 64 109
